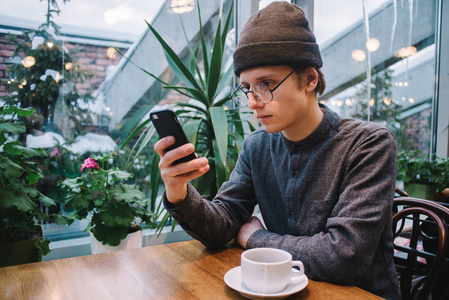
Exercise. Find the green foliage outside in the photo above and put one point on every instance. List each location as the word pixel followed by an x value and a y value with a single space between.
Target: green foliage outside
pixel 417 167
pixel 20 201
pixel 383 108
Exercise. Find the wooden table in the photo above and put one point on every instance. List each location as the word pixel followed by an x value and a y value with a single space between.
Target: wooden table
pixel 184 270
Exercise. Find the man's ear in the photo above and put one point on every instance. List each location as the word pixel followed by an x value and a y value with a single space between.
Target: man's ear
pixel 312 80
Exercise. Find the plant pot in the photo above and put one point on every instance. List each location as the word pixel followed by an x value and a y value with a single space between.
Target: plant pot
pixel 133 240
pixel 422 191
pixel 20 252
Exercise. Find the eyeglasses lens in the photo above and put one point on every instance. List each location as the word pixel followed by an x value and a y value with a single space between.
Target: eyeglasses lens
pixel 260 91
pixel 240 98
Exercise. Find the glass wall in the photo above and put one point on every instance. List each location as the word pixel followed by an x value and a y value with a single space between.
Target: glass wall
pixel 380 60
pixel 390 44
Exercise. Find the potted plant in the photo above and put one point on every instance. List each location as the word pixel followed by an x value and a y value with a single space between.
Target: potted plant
pixel 422 176
pixel 115 209
pixel 21 240
pixel 211 123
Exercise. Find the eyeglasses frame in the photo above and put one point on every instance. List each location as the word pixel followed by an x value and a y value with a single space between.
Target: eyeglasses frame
pixel 240 87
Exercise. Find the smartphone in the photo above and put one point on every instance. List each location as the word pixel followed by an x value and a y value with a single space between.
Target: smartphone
pixel 166 124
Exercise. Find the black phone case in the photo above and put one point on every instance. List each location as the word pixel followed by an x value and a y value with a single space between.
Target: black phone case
pixel 166 124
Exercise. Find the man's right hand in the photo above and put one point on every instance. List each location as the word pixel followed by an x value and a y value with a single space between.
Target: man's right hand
pixel 176 177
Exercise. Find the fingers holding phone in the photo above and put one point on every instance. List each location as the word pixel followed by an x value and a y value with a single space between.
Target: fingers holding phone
pixel 176 176
pixel 179 164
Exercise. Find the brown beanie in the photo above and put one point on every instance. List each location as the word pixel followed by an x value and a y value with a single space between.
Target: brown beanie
pixel 277 35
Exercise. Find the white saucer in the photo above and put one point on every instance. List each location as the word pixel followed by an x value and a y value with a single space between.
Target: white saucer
pixel 234 281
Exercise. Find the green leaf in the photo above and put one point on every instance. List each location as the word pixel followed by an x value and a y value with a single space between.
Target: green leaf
pixel 203 45
pixel 120 175
pixel 46 201
pixel 78 200
pixel 109 235
pixel 215 66
pixel 175 62
pixel 18 198
pixel 32 177
pixel 43 245
pixel 134 132
pixel 142 146
pixel 69 183
pixel 9 168
pixel 16 148
pixel 191 129
pixel 112 215
pixel 23 112
pixel 220 167
pixel 155 181
pixel 62 220
pixel 126 192
pixel 220 125
pixel 14 128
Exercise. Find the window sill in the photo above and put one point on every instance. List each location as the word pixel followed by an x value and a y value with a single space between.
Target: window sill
pixel 81 246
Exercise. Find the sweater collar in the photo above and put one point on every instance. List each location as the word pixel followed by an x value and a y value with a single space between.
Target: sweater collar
pixel 330 120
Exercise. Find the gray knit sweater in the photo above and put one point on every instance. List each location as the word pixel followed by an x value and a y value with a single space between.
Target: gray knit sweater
pixel 326 199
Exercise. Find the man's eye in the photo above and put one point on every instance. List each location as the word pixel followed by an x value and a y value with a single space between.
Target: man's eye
pixel 266 83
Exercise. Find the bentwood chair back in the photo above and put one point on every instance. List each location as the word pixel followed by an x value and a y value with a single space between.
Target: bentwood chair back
pixel 421 244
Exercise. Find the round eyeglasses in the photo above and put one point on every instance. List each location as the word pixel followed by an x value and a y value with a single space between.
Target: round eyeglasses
pixel 260 91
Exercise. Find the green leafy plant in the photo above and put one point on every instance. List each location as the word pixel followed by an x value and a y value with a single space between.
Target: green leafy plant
pixel 44 66
pixel 417 167
pixel 20 202
pixel 217 131
pixel 101 194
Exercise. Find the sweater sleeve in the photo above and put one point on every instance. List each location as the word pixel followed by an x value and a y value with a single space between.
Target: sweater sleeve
pixel 359 221
pixel 215 223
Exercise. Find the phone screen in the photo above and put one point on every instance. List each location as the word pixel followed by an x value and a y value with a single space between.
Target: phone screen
pixel 167 124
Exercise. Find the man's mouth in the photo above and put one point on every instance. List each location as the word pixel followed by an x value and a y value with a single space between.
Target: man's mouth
pixel 262 118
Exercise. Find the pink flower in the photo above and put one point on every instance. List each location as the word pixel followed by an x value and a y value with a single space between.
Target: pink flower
pixel 90 164
pixel 55 152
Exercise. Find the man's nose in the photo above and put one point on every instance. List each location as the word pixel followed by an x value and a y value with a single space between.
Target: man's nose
pixel 253 103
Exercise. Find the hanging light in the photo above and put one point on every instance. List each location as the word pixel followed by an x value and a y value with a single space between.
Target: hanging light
pixel 28 61
pixel 372 44
pixel 182 6
pixel 111 53
pixel 68 66
pixel 49 44
pixel 406 51
pixel 358 55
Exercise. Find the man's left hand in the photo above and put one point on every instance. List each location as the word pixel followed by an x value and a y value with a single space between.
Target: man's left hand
pixel 247 230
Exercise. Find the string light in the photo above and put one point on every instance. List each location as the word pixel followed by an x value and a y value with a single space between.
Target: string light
pixel 28 61
pixel 182 6
pixel 406 52
pixel 372 44
pixel 358 55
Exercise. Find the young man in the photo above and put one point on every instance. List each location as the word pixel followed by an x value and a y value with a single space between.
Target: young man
pixel 324 184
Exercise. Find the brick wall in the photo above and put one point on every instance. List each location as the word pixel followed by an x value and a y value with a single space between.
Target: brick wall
pixel 91 57
pixel 417 131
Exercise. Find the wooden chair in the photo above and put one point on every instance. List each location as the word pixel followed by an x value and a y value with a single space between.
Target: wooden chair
pixel 416 224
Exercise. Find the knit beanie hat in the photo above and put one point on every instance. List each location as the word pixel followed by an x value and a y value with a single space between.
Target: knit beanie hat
pixel 279 34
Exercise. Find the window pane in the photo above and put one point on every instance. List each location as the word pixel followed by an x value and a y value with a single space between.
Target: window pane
pixel 395 41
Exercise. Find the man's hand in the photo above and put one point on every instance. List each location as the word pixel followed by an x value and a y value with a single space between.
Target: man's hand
pixel 247 230
pixel 176 177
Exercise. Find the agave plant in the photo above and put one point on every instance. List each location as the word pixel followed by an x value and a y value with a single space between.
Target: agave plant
pixel 217 131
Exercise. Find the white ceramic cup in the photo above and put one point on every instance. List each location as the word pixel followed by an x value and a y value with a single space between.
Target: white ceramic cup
pixel 269 270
